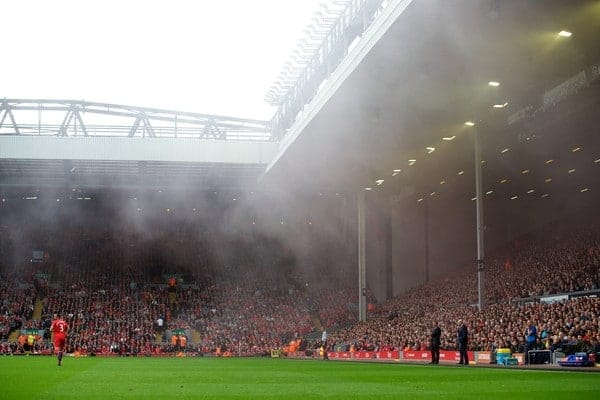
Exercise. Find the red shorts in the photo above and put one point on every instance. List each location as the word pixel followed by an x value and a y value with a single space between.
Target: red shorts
pixel 59 341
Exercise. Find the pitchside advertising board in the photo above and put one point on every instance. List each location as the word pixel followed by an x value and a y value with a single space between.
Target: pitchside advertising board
pixel 479 357
pixel 445 355
pixel 365 355
pixel 453 356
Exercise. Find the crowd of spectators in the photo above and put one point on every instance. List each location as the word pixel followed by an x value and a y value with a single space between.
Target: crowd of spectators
pixel 110 283
pixel 517 282
pixel 252 295
pixel 16 307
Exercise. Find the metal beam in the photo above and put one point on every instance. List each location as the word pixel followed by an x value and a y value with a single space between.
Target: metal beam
pixel 7 111
pixel 135 149
pixel 479 210
pixel 81 124
pixel 62 131
pixel 152 118
pixel 362 257
pixel 142 118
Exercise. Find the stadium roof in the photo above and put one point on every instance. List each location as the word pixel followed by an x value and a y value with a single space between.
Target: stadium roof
pixel 397 124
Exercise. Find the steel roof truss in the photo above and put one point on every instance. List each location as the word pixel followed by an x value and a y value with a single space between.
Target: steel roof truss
pixel 7 111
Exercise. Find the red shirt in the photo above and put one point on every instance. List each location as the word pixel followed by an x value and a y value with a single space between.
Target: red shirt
pixel 59 326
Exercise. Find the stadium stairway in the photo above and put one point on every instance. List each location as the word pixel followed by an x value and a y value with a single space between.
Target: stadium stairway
pixel 316 322
pixel 37 310
pixel 196 337
pixel 14 336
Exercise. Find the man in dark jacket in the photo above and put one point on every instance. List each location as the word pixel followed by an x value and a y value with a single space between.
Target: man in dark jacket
pixel 463 342
pixel 436 341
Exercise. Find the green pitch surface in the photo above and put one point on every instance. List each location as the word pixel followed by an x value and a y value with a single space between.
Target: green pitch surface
pixel 248 378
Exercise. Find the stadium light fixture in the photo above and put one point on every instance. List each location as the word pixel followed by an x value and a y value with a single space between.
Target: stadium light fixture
pixel 316 32
pixel 449 138
pixel 494 83
pixel 430 150
pixel 299 51
pixel 283 86
pixel 565 34
pixel 460 172
pixel 501 105
pixel 308 42
pixel 412 162
pixel 302 59
pixel 379 182
pixel 323 19
pixel 326 9
pixel 305 47
pixel 292 67
pixel 584 190
pixel 572 170
pixel 470 123
pixel 576 149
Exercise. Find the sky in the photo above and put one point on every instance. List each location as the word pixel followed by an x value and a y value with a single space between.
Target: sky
pixel 206 56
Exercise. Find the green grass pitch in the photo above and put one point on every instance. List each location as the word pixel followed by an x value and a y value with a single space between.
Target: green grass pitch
pixel 251 378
